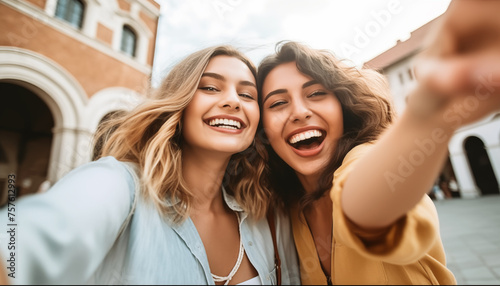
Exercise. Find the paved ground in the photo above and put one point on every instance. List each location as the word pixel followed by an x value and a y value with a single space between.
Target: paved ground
pixel 470 229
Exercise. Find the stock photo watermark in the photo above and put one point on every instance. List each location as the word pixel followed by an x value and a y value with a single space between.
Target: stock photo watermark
pixel 11 227
pixel 224 6
pixel 455 115
pixel 424 148
pixel 363 36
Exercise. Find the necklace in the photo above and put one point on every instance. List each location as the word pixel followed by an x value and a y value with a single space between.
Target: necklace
pixel 228 278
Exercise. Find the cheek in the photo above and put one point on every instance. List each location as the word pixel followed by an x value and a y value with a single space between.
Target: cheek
pixel 188 117
pixel 272 128
pixel 331 112
pixel 253 114
pixel 338 121
pixel 192 109
pixel 191 118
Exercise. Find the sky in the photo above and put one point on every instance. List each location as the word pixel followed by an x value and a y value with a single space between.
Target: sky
pixel 356 30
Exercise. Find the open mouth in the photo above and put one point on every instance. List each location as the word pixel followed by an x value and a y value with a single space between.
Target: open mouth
pixel 225 123
pixel 307 140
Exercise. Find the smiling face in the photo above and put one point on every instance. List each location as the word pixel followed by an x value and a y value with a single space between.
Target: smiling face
pixel 224 113
pixel 301 118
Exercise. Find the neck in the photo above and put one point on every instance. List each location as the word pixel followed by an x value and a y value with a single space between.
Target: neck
pixel 203 173
pixel 309 182
pixel 319 207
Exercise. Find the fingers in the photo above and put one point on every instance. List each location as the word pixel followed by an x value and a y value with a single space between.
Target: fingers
pixel 463 88
pixel 459 71
pixel 459 74
pixel 445 76
pixel 487 76
pixel 465 46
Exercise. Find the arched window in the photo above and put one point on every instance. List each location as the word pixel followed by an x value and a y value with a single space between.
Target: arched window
pixel 129 41
pixel 70 11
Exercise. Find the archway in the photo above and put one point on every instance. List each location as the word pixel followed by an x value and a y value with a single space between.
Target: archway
pixel 480 165
pixel 59 90
pixel 26 124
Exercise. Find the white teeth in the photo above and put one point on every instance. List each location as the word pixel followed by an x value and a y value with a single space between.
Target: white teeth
pixel 304 136
pixel 225 123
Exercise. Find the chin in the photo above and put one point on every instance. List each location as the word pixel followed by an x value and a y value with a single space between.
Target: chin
pixel 232 149
pixel 307 173
pixel 307 169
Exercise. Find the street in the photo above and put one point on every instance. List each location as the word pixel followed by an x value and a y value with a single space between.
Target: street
pixel 470 230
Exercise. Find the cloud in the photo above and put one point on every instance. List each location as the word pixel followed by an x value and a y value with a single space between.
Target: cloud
pixel 256 25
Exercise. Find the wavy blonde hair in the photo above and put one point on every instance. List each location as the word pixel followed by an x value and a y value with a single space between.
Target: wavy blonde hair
pixel 366 107
pixel 151 136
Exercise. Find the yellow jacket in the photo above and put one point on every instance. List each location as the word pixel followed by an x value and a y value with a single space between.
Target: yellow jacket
pixel 409 252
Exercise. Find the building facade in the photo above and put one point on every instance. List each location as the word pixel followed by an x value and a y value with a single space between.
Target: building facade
pixel 64 66
pixel 474 150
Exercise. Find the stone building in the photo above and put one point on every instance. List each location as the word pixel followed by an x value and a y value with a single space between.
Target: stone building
pixel 64 65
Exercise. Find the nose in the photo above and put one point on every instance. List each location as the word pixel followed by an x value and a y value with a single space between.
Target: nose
pixel 231 100
pixel 300 111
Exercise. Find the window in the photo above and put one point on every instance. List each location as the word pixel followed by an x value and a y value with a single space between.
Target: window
pixel 129 41
pixel 70 11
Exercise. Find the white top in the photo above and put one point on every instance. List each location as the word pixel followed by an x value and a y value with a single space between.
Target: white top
pixel 251 281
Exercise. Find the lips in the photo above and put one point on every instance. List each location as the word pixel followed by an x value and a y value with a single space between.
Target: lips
pixel 307 141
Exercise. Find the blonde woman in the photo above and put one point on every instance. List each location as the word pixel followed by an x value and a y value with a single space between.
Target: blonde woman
pixel 176 198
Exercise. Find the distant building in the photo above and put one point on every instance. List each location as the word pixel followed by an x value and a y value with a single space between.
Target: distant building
pixel 64 65
pixel 474 150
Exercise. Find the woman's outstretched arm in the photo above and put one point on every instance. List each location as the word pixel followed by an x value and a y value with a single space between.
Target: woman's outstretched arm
pixel 459 83
pixel 63 235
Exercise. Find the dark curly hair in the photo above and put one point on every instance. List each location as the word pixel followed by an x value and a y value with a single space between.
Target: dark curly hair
pixel 366 106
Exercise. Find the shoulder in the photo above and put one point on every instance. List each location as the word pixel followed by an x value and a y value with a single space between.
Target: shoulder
pixel 105 169
pixel 358 151
pixel 107 165
pixel 352 156
pixel 106 174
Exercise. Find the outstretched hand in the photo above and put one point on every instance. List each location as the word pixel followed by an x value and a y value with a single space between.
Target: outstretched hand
pixel 461 64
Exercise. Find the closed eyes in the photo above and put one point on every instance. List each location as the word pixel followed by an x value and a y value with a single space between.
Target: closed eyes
pixel 317 93
pixel 277 103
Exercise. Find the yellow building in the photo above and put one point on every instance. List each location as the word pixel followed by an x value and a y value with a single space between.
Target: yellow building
pixel 64 65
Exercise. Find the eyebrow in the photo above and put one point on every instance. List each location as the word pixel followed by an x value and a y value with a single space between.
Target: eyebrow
pixel 309 83
pixel 214 75
pixel 284 90
pixel 278 91
pixel 222 78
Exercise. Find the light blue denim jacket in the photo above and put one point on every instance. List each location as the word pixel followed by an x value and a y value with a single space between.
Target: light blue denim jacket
pixel 78 232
